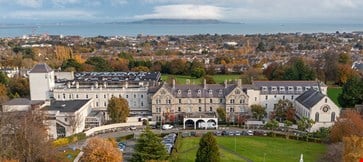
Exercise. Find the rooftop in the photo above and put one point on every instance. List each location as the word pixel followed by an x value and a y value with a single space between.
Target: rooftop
pixel 66 106
pixel 310 98
pixel 41 68
pixel 18 101
pixel 116 76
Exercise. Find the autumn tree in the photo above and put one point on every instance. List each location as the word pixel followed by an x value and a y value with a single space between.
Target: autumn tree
pixel 345 72
pixel 209 79
pixel 353 148
pixel 118 109
pixel 24 137
pixel 349 123
pixel 221 113
pixel 149 147
pixel 258 111
pixel 3 93
pixel 98 149
pixel 19 87
pixel 284 110
pixel 208 150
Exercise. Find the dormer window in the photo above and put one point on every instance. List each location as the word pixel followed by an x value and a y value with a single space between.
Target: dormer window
pixel 179 91
pixel 189 92
pixel 210 91
pixel 299 88
pixel 290 88
pixel 307 88
pixel 237 91
pixel 264 88
pixel 273 89
pixel 199 91
pixel 316 88
pixel 220 91
pixel 282 89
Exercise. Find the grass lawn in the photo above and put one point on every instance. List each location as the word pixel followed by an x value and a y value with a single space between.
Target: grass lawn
pixel 181 79
pixel 256 148
pixel 68 155
pixel 190 148
pixel 333 94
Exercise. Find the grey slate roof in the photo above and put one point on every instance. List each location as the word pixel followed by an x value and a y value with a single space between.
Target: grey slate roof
pixel 286 85
pixel 116 76
pixel 310 98
pixel 41 68
pixel 217 90
pixel 66 106
pixel 18 101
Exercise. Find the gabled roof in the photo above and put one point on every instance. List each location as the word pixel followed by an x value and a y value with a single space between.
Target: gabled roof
pixel 18 101
pixel 310 98
pixel 41 68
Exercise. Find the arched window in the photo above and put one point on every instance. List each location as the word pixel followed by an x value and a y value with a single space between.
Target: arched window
pixel 316 117
pixel 333 117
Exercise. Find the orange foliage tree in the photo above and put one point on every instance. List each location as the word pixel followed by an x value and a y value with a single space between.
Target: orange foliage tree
pixel 353 148
pixel 349 123
pixel 99 149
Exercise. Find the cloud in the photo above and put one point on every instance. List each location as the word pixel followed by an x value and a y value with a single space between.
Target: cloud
pixel 51 14
pixel 184 11
pixel 30 3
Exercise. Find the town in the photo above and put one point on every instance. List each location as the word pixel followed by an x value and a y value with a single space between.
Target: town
pixel 293 85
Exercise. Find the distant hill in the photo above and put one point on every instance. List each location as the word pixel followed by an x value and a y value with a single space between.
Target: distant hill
pixel 179 21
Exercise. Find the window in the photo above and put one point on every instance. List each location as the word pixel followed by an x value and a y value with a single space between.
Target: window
pixel 127 96
pixel 333 117
pixel 119 96
pixel 255 98
pixel 199 91
pixel 58 96
pixel 273 89
pixel 200 100
pixel 158 109
pixel 264 88
pixel 210 100
pixel 266 97
pixel 283 97
pixel 242 101
pixel 104 96
pixel 96 103
pixel 168 101
pixel 65 119
pixel 69 96
pixel 142 96
pixel 96 96
pixel 104 104
pixel 282 89
pixel 274 96
pixel 180 101
pixel 316 117
pixel 292 97
pixel 220 100
pixel 299 88
pixel 210 108
pixel 231 109
pixel 134 96
pixel 189 92
pixel 86 95
pixel 200 109
pixel 231 101
pixel 179 91
pixel 179 109
pixel 64 96
pixel 326 100
pixel 220 92
pixel 210 91
pixel 142 104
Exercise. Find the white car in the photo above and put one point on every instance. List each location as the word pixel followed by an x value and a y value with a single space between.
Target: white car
pixel 250 133
pixel 167 126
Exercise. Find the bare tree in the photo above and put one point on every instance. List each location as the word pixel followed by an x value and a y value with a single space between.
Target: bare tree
pixel 74 122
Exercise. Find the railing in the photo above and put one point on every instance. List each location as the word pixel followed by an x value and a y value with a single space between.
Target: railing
pixel 110 127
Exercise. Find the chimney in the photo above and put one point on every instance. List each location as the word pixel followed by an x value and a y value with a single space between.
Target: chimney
pixel 187 81
pixel 205 83
pixel 225 84
pixel 239 82
pixel 77 85
pixel 173 83
pixel 69 84
pixel 96 84
pixel 126 84
pixel 105 84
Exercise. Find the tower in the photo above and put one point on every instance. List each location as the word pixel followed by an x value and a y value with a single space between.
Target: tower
pixel 41 82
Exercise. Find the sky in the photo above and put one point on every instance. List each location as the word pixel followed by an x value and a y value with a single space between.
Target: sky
pixel 303 11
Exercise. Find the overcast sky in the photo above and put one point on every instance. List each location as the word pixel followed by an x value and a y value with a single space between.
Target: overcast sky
pixel 324 11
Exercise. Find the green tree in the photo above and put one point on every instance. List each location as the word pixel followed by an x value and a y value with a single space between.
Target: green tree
pixel 305 123
pixel 282 110
pixel 71 63
pixel 197 72
pixel 149 147
pixel 99 63
pixel 299 71
pixel 272 124
pixel 258 111
pixel 209 79
pixel 352 93
pixel 19 86
pixel 4 78
pixel 208 150
pixel 118 109
pixel 221 113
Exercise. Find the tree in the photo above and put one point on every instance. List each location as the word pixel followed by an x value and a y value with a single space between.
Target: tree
pixel 98 149
pixel 24 137
pixel 197 72
pixel 352 92
pixel 20 86
pixel 118 109
pixel 299 70
pixel 305 124
pixel 221 113
pixel 99 63
pixel 71 63
pixel 349 123
pixel 209 79
pixel 258 111
pixel 283 109
pixel 353 148
pixel 4 78
pixel 345 72
pixel 149 147
pixel 3 93
pixel 208 150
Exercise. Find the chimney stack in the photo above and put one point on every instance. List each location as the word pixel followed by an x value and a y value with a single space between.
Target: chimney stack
pixel 173 83
pixel 225 83
pixel 205 83
pixel 239 82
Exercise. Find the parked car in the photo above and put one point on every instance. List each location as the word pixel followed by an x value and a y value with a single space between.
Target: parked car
pixel 167 126
pixel 250 133
pixel 237 133
pixel 132 127
pixel 231 133
pixel 225 133
pixel 218 133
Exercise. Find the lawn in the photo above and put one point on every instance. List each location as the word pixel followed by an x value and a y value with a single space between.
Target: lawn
pixel 257 148
pixel 333 94
pixel 181 79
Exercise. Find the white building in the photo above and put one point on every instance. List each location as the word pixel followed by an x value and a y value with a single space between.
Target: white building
pixel 318 107
pixel 268 93
pixel 65 118
pixel 41 82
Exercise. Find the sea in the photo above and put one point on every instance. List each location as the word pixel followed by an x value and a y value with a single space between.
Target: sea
pixel 130 29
